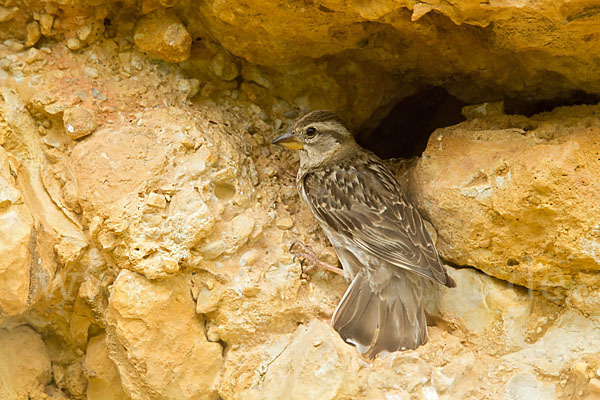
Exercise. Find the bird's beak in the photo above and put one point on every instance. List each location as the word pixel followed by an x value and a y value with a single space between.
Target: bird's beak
pixel 289 141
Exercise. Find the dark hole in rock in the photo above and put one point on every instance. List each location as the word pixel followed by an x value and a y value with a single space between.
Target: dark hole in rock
pixel 405 130
pixel 224 191
pixel 529 107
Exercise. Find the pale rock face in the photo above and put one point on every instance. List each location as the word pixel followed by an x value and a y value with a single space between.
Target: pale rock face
pixel 157 340
pixel 533 183
pixel 24 364
pixel 163 35
pixel 104 381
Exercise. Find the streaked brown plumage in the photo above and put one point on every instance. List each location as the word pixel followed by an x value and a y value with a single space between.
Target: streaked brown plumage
pixel 378 235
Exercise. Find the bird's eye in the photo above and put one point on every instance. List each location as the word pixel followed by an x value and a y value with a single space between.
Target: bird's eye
pixel 310 131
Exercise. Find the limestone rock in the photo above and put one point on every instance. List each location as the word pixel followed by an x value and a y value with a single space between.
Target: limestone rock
pixel 527 386
pixel 158 342
pixel 79 122
pixel 24 364
pixel 163 35
pixel 24 248
pixel 316 364
pixel 33 33
pixel 571 337
pixel 486 307
pixel 104 381
pixel 519 201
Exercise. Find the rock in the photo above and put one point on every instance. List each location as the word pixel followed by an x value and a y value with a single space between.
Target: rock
pixel 298 372
pixel 79 122
pixel 157 340
pixel 571 337
pixel 212 250
pixel 156 266
pixel 8 193
pixel 241 227
pixel 445 378
pixel 284 223
pixel 255 74
pixel 103 377
pixel 69 251
pixel 512 212
pixel 91 72
pixel 189 87
pixel 594 386
pixel 83 32
pixel 484 306
pixel 8 13
pixel 24 364
pixel 190 219
pixel 98 95
pixel 33 33
pixel 162 34
pixel 526 386
pixel 16 230
pixel 46 22
pixel 224 67
pixel 156 200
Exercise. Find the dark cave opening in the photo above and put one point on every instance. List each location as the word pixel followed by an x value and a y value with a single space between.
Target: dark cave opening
pixel 528 107
pixel 405 130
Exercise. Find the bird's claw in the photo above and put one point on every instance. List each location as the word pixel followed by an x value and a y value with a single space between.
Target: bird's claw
pixel 306 252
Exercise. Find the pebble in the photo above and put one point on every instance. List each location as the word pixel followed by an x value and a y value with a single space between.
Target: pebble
pixel 156 200
pixel 46 22
pixel 255 74
pixel 162 34
pixel 189 87
pixel 269 171
pixel 51 142
pixel 241 227
pixel 291 114
pixel 594 386
pixel 91 72
pixel 32 34
pixel 79 122
pixel 83 32
pixel 284 223
pixel 223 66
pixel 8 13
pixel 250 291
pixel 580 369
pixel 277 123
pixel 249 258
pixel 73 43
pixel 33 55
pixel 213 250
pixel 14 45
pixel 98 95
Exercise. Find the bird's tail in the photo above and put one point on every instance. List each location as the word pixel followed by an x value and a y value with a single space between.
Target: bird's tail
pixel 391 320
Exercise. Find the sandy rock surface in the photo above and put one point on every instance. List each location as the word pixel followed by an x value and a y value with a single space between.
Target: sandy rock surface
pixel 535 183
pixel 145 218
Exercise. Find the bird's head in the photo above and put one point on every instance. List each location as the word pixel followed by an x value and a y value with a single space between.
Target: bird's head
pixel 320 135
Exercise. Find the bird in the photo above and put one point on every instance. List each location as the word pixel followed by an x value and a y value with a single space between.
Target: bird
pixel 379 236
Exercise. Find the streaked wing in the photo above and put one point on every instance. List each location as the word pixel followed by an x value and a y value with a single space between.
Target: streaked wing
pixel 362 200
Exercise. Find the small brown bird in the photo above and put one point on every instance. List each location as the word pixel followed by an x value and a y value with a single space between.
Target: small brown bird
pixel 378 235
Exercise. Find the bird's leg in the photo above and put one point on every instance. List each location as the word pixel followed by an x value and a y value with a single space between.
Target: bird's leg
pixel 305 252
